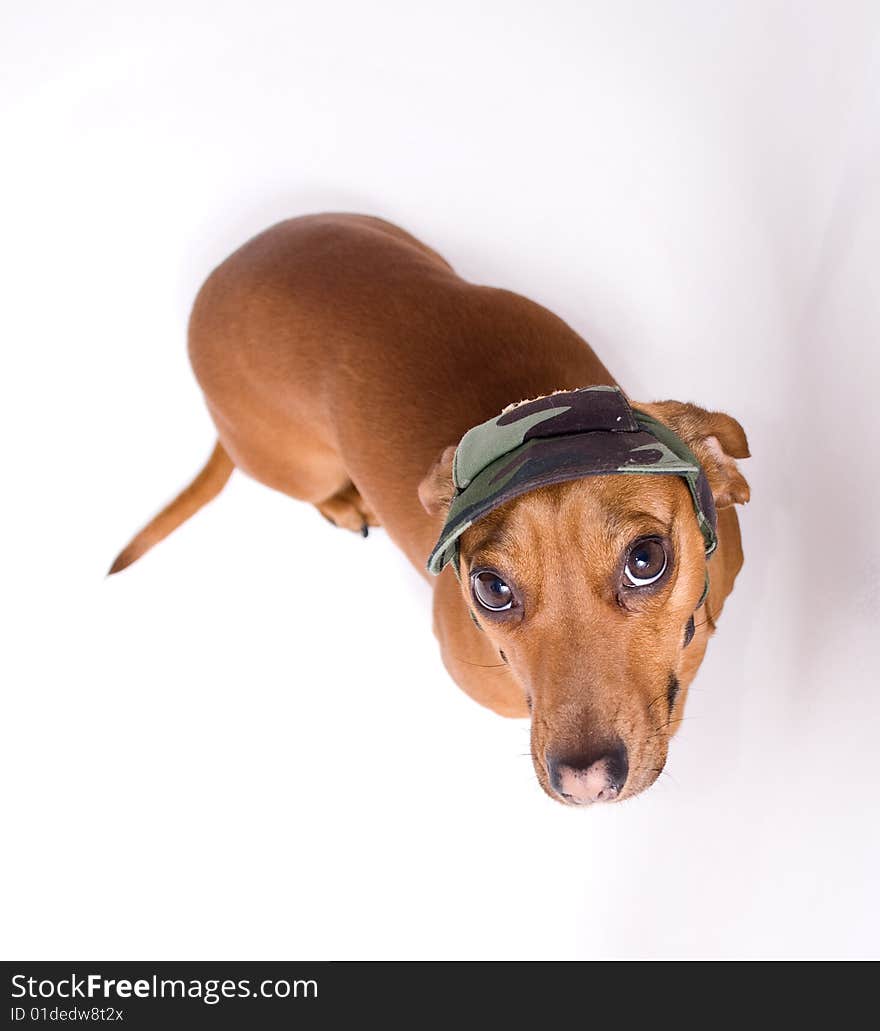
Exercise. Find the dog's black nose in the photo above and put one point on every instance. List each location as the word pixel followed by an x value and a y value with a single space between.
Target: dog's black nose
pixel 594 776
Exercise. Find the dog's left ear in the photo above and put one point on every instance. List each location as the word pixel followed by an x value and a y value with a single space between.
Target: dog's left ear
pixel 716 439
pixel 437 489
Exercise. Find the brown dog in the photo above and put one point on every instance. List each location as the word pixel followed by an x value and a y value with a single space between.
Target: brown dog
pixel 339 357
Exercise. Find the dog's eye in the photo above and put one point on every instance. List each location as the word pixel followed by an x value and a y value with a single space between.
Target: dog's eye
pixel 645 563
pixel 491 591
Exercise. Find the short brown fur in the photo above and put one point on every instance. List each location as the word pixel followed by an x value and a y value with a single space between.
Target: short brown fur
pixel 339 356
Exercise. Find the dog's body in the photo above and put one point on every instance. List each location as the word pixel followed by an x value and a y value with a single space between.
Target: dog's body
pixel 339 356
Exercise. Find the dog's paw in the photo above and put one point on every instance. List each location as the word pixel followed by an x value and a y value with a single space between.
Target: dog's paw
pixel 348 510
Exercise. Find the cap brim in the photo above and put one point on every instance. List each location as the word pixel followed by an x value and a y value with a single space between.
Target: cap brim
pixel 542 462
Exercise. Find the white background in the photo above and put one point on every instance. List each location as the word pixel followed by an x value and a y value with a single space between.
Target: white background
pixel 246 746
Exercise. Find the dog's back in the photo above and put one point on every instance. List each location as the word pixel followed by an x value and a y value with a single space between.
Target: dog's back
pixel 337 348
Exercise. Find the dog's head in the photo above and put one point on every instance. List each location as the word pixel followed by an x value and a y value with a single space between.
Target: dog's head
pixel 587 588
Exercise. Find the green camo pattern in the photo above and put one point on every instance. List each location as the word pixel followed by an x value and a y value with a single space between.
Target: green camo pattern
pixel 564 436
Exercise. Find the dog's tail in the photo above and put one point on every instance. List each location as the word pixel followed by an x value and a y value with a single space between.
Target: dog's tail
pixel 204 488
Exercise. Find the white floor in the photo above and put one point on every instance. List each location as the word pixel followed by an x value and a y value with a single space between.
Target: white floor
pixel 246 747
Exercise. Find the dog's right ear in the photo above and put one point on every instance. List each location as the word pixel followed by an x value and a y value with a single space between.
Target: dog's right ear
pixel 716 439
pixel 438 488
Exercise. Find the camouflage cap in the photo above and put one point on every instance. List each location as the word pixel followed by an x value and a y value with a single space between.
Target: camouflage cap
pixel 565 436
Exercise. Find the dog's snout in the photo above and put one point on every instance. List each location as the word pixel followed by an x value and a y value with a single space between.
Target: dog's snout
pixel 596 776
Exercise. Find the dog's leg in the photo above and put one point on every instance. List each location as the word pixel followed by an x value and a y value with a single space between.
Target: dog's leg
pixel 348 510
pixel 470 657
